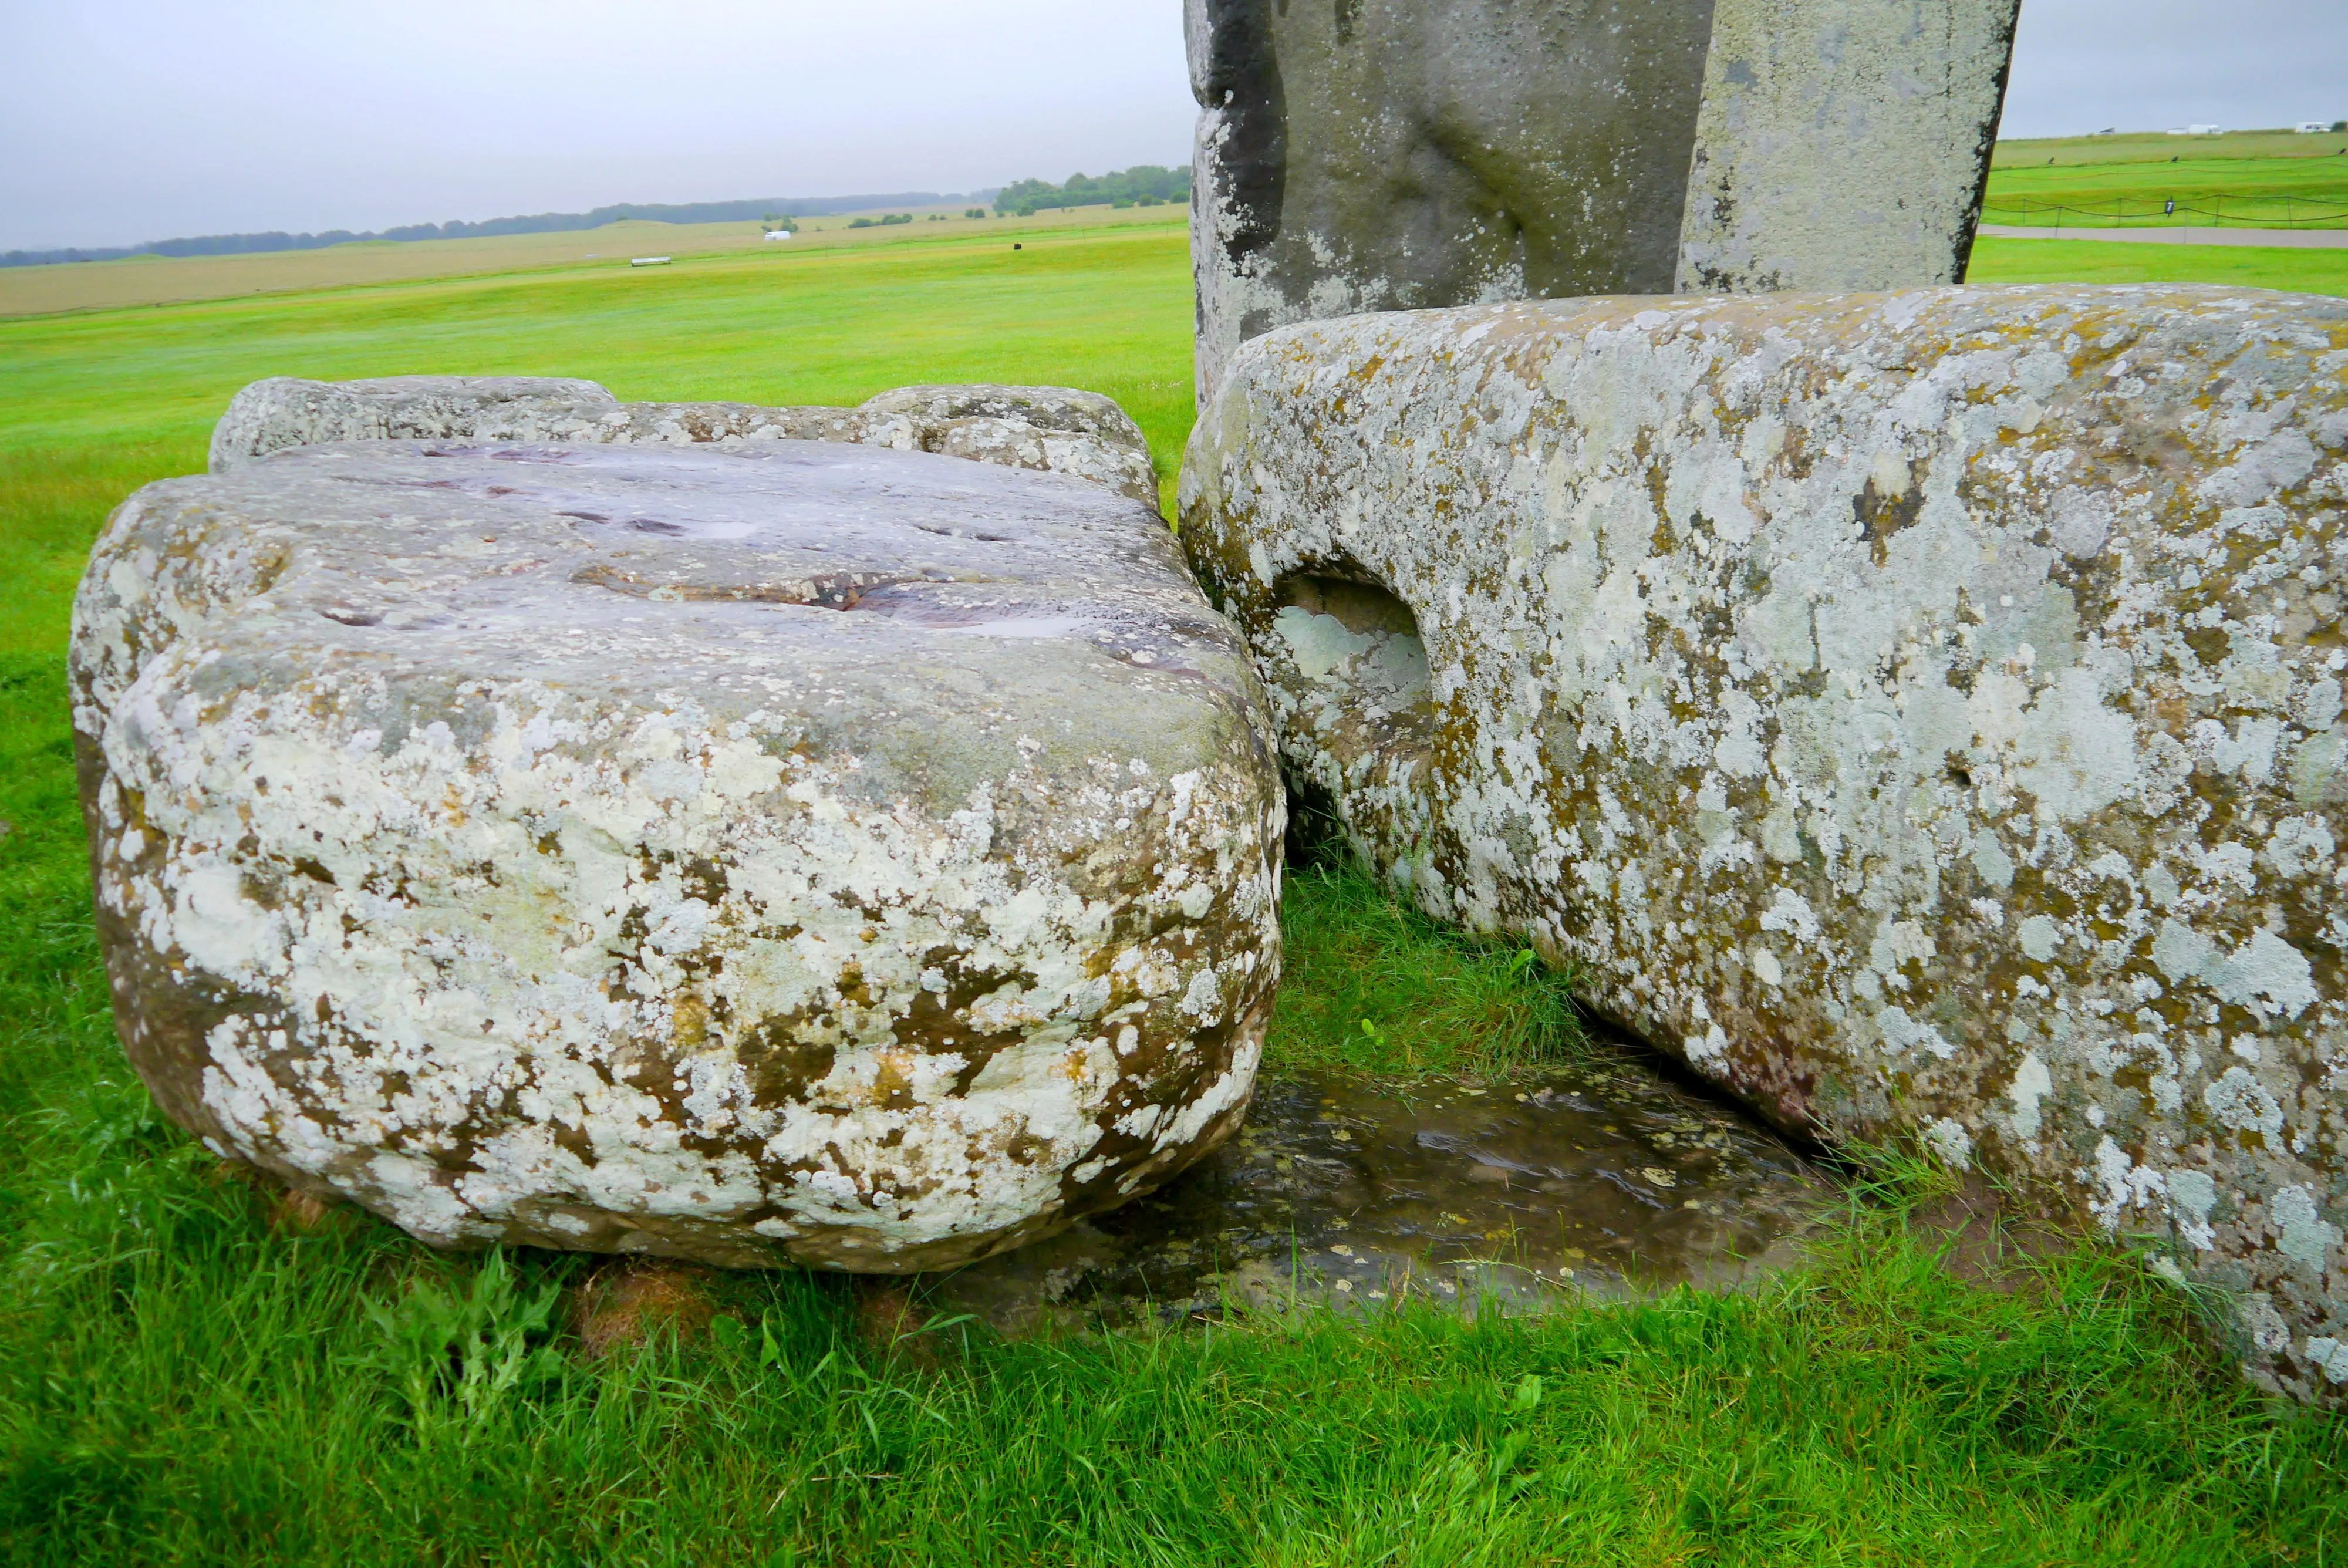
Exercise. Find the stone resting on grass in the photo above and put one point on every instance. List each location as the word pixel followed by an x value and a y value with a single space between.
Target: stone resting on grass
pixel 782 852
pixel 1051 428
pixel 1923 711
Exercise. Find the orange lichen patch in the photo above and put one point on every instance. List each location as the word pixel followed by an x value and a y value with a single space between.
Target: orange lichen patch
pixel 629 1301
pixel 288 1211
pixel 306 1214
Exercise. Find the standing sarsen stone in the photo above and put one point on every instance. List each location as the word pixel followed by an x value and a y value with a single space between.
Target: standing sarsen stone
pixel 1923 711
pixel 1403 154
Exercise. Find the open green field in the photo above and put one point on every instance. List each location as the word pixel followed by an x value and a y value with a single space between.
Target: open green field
pixel 193 1371
pixel 2003 261
pixel 93 404
pixel 2243 179
pixel 175 280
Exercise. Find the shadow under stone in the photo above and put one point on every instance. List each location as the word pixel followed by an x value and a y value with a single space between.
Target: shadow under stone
pixel 1596 1181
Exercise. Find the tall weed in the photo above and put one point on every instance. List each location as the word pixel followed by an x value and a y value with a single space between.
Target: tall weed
pixel 457 1353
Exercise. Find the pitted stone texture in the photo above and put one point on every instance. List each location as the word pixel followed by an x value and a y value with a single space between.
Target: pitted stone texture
pixel 282 411
pixel 1920 711
pixel 1398 154
pixel 788 851
pixel 1055 429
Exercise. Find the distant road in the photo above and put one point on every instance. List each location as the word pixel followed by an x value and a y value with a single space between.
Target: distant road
pixel 2315 238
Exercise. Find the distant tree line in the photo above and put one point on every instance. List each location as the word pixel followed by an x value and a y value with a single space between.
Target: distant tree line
pixel 1139 186
pixel 537 223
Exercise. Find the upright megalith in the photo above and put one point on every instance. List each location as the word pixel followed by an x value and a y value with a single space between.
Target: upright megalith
pixel 1401 154
pixel 1923 712
pixel 1843 144
pixel 789 851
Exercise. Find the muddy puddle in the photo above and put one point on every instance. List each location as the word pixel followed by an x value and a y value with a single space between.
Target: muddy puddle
pixel 1599 1180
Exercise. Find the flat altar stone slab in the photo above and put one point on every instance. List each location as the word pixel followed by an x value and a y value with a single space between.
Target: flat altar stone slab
pixel 1599 1180
pixel 1921 711
pixel 798 852
pixel 1055 430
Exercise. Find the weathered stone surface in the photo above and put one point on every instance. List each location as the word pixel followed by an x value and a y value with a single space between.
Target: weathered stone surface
pixel 783 851
pixel 1592 1180
pixel 1921 711
pixel 282 411
pixel 1055 428
pixel 1398 154
pixel 1843 146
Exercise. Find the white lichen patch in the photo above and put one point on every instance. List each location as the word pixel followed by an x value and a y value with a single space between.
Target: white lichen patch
pixel 671 850
pixel 1923 711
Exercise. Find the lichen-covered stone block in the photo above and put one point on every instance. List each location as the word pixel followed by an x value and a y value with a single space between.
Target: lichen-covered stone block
pixel 1398 154
pixel 1056 430
pixel 1921 711
pixel 782 852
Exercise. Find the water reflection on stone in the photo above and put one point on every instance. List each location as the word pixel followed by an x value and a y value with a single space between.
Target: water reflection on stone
pixel 1596 1181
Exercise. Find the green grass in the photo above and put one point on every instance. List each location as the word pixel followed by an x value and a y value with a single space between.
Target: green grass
pixel 2236 148
pixel 1368 985
pixel 2248 178
pixel 93 404
pixel 184 1380
pixel 2317 271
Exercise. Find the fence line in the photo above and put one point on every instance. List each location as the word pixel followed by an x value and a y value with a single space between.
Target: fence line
pixel 2162 214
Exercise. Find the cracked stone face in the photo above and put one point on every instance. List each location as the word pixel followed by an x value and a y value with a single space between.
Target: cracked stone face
pixel 1398 154
pixel 1922 712
pixel 785 852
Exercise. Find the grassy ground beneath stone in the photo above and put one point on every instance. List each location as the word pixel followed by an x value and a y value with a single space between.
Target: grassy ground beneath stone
pixel 1370 986
pixel 194 1372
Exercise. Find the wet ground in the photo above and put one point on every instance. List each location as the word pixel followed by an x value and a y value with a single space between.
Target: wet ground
pixel 1599 1181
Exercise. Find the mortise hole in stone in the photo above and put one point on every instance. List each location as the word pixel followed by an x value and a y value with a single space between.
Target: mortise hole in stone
pixel 1355 684
pixel 1363 604
pixel 1346 632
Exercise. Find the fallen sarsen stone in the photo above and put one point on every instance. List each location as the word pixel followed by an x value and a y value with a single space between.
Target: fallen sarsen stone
pixel 1922 712
pixel 785 851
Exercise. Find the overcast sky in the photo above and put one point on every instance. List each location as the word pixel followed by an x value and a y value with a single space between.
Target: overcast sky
pixel 124 121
